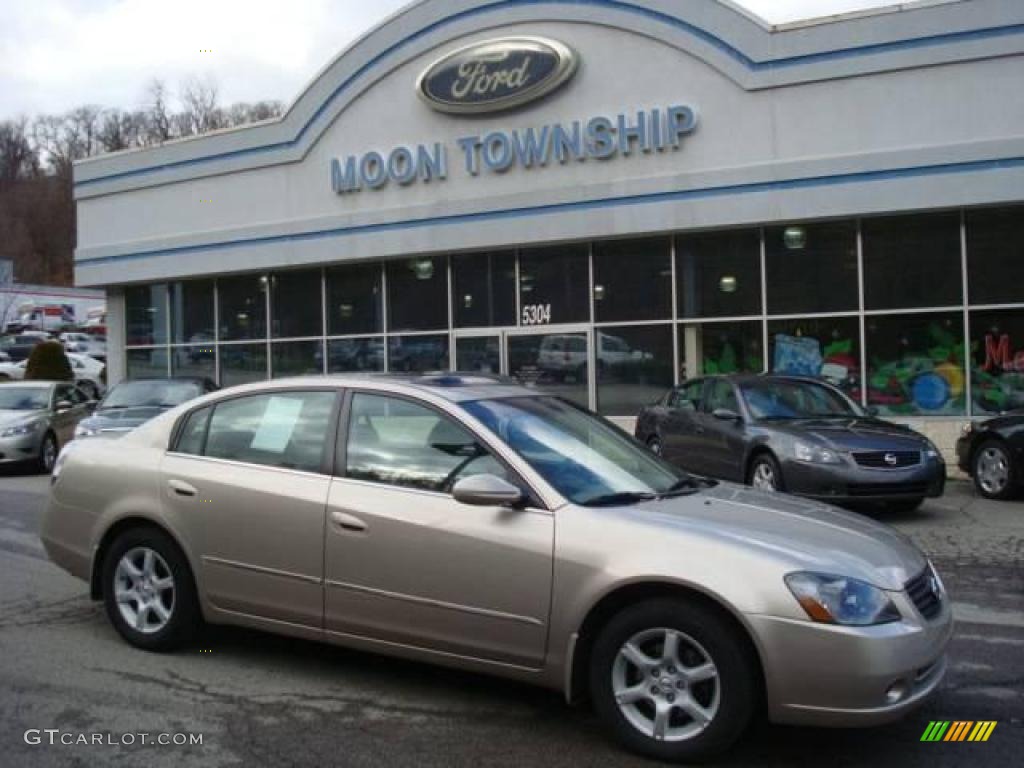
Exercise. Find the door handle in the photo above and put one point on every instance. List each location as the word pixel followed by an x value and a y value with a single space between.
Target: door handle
pixel 181 488
pixel 348 522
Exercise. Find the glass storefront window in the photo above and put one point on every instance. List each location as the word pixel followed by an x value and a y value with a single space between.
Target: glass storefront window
pixel 242 363
pixel 355 300
pixel 554 285
pixel 297 358
pixel 997 364
pixel 194 361
pixel 916 364
pixel 556 363
pixel 243 308
pixel 811 268
pixel 146 363
pixel 995 255
pixel 350 355
pixel 418 353
pixel 718 274
pixel 912 261
pixel 826 347
pixel 145 314
pixel 634 367
pixel 481 354
pixel 484 289
pixel 295 305
pixel 633 280
pixel 192 312
pixel 417 294
pixel 706 349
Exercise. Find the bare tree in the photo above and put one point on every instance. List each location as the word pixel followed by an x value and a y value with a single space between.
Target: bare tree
pixel 121 130
pixel 18 158
pixel 200 113
pixel 158 115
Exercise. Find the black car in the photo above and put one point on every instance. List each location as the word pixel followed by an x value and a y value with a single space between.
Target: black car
pixel 992 452
pixel 131 403
pixel 792 434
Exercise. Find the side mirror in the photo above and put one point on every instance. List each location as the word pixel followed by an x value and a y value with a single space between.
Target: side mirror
pixel 726 414
pixel 63 405
pixel 486 491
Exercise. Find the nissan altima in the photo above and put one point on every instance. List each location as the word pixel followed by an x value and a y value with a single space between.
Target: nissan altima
pixel 799 435
pixel 468 522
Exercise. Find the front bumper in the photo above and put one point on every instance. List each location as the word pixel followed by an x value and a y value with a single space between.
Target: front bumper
pixel 21 447
pixel 827 675
pixel 848 483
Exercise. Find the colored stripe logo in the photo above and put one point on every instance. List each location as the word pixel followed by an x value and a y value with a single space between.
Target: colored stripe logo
pixel 958 730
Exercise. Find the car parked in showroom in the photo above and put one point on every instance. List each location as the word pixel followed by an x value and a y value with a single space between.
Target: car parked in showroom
pixel 461 520
pixel 37 418
pixel 793 434
pixel 992 453
pixel 131 403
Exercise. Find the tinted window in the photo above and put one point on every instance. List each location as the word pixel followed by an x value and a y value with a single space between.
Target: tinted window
pixel 190 439
pixel 826 347
pixel 146 363
pixel 781 399
pixel 721 348
pixel 145 314
pixel 297 358
pixel 484 289
pixel 355 355
pixel 625 270
pixel 285 429
pixel 555 363
pixel 417 294
pixel 243 307
pixel 478 353
pixel 687 397
pixel 721 395
pixel 718 274
pixel 418 353
pixel 192 312
pixel 995 255
pixel 402 443
pixel 355 300
pixel 155 392
pixel 634 366
pixel 811 268
pixel 242 363
pixel 296 306
pixel 553 285
pixel 912 261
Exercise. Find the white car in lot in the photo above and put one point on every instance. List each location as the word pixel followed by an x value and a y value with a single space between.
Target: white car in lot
pixel 87 372
pixel 84 344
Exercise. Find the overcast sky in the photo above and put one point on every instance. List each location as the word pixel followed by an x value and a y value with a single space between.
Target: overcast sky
pixel 57 54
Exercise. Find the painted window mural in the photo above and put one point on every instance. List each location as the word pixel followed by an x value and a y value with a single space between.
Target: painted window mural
pixel 707 349
pixel 828 348
pixel 916 364
pixel 997 355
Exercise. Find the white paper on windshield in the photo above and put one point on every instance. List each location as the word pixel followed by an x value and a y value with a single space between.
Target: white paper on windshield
pixel 279 420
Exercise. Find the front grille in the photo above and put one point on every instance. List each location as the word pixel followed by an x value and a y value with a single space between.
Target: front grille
pixel 887 459
pixel 887 489
pixel 924 594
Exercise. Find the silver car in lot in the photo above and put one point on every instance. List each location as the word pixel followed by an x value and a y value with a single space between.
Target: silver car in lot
pixel 37 418
pixel 467 522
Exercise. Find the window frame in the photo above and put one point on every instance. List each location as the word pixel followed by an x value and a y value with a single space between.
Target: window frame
pixel 531 498
pixel 330 437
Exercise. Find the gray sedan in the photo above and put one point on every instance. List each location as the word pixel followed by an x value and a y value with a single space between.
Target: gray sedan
pixel 37 418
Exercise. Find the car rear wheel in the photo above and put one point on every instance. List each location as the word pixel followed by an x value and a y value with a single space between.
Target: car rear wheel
pixel 673 680
pixel 765 474
pixel 47 453
pixel 148 590
pixel 992 470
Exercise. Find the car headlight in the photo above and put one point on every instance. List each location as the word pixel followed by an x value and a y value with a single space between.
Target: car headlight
pixel 83 430
pixel 814 453
pixel 931 450
pixel 831 599
pixel 21 429
pixel 967 428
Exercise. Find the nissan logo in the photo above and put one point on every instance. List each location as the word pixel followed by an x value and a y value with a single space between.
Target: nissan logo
pixel 496 74
pixel 891 459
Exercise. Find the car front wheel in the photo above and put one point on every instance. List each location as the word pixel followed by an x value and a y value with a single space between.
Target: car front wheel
pixel 765 474
pixel 992 471
pixel 148 590
pixel 673 680
pixel 47 454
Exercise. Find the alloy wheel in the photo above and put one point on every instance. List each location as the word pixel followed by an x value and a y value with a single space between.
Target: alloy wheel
pixel 764 477
pixel 49 453
pixel 666 685
pixel 992 470
pixel 144 590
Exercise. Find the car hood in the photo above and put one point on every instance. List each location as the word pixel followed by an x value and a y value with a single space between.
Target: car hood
pixel 122 419
pixel 853 434
pixel 10 418
pixel 814 536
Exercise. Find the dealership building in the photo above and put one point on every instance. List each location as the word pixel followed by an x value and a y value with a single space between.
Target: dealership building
pixel 601 198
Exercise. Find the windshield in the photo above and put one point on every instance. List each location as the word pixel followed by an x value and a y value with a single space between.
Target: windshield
pixel 582 456
pixel 154 393
pixel 781 399
pixel 15 398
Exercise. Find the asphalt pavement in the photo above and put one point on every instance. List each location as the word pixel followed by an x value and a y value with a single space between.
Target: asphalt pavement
pixel 260 700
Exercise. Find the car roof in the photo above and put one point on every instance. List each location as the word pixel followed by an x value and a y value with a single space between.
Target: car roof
pixel 453 386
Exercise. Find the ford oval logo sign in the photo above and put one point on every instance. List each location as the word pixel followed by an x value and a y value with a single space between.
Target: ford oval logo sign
pixel 496 74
